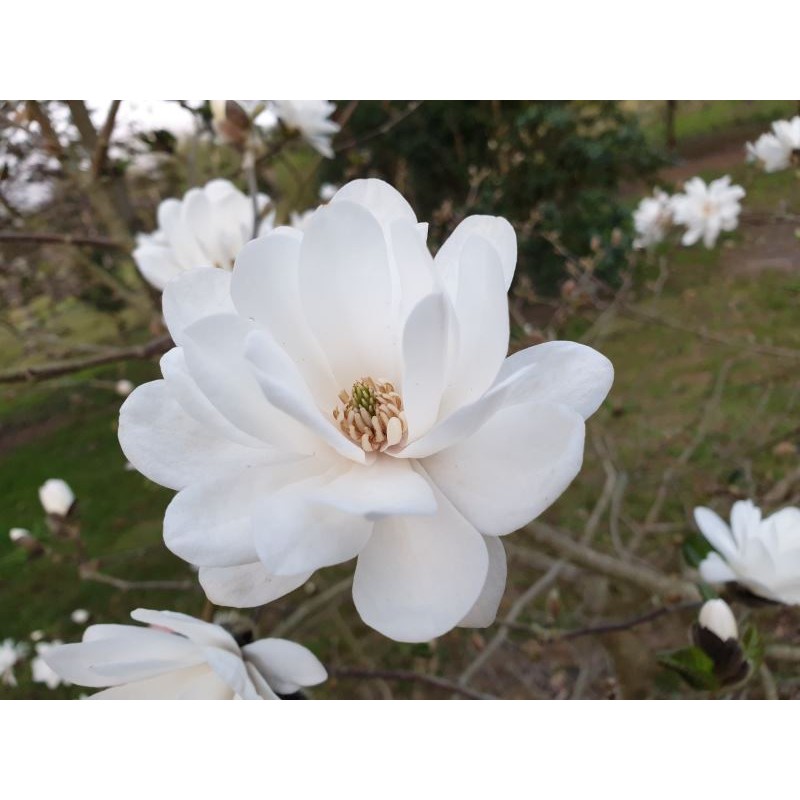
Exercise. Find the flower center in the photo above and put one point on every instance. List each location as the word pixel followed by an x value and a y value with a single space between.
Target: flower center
pixel 372 415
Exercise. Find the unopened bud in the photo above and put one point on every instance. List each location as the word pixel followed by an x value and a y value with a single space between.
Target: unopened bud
pixel 24 539
pixel 717 617
pixel 717 635
pixel 230 122
pixel 56 497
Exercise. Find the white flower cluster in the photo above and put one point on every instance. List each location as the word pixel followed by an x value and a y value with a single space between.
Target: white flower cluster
pixel 705 210
pixel 779 149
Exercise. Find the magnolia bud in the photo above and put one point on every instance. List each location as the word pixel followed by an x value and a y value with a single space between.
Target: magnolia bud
pixel 717 617
pixel 80 616
pixel 56 497
pixel 24 539
pixel 230 122
pixel 15 534
pixel 124 387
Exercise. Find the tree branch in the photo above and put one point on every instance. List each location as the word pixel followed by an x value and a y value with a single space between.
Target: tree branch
pixel 61 238
pixel 103 140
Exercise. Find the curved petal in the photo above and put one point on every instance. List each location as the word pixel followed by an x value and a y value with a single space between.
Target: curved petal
pixel 215 356
pixel 294 533
pixel 157 264
pixel 425 366
pixel 716 532
pixel 383 201
pixel 197 293
pixel 416 275
pixel 714 570
pixel 346 292
pixel 231 670
pixel 484 612
pixel 246 585
pixel 173 449
pixel 419 576
pixel 745 521
pixel 265 288
pixel 566 373
pixel 192 683
pixel 210 523
pixel 511 469
pixel 285 665
pixel 205 634
pixel 481 308
pixel 496 230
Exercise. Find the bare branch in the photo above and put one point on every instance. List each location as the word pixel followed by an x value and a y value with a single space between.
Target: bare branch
pixel 101 148
pixel 382 129
pixel 130 586
pixel 61 238
pixel 54 370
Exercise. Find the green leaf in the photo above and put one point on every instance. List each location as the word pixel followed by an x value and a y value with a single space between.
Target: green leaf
pixel 753 646
pixel 693 665
pixel 695 548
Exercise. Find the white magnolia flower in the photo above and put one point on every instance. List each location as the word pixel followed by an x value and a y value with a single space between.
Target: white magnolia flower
pixel 56 497
pixel 707 210
pixel 717 617
pixel 207 228
pixel 80 616
pixel 10 653
pixel 780 149
pixel 652 219
pixel 761 554
pixel 37 635
pixel 41 669
pixel 343 394
pixel 17 534
pixel 310 117
pixel 124 387
pixel 183 658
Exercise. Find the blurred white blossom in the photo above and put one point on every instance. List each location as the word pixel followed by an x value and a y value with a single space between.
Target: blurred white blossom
pixel 652 219
pixel 10 653
pixel 780 149
pixel 763 555
pixel 342 394
pixel 41 669
pixel 80 616
pixel 310 118
pixel 124 387
pixel 707 210
pixel 327 191
pixel 183 658
pixel 56 497
pixel 207 228
pixel 16 534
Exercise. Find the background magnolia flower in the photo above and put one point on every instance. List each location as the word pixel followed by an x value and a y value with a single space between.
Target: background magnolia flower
pixel 183 658
pixel 310 117
pixel 327 192
pixel 80 616
pixel 40 668
pixel 762 555
pixel 707 210
pixel 56 497
pixel 652 219
pixel 10 653
pixel 207 228
pixel 124 387
pixel 780 149
pixel 343 394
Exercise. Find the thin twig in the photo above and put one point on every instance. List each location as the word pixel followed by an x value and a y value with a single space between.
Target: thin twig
pixel 408 675
pixel 44 371
pixel 382 129
pixel 103 140
pixel 130 586
pixel 321 600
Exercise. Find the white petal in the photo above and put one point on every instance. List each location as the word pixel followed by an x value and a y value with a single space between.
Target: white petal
pixel 715 570
pixel 157 264
pixel 210 523
pixel 265 288
pixel 566 373
pixel 197 293
pixel 481 308
pixel 171 448
pixel 246 586
pixel 716 531
pixel 285 665
pixel 416 275
pixel 425 350
pixel 495 230
pixel 346 292
pixel 419 576
pixel 484 612
pixel 215 355
pixel 192 683
pixel 379 198
pixel 511 469
pixel 231 670
pixel 202 633
pixel 295 534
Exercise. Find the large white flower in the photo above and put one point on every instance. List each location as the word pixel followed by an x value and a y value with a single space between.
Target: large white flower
pixel 344 394
pixel 707 210
pixel 183 658
pixel 207 228
pixel 761 554
pixel 310 117
pixel 10 653
pixel 652 219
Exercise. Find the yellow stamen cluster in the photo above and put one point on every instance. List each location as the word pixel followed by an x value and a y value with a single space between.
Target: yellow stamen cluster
pixel 372 415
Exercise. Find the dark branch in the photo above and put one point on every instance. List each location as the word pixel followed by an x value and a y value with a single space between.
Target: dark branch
pixel 61 238
pixel 407 675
